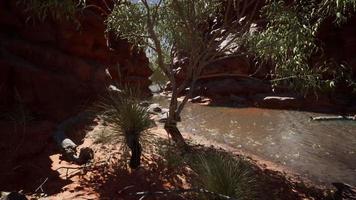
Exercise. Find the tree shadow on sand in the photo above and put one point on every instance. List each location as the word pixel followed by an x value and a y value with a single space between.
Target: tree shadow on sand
pixel 120 182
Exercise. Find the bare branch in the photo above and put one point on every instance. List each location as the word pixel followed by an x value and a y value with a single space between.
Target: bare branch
pixel 40 187
pixel 178 191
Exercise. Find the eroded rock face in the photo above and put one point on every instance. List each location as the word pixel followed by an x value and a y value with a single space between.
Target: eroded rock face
pixel 230 67
pixel 50 71
pixel 55 67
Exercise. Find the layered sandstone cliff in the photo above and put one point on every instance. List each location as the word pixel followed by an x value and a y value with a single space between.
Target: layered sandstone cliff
pixel 54 67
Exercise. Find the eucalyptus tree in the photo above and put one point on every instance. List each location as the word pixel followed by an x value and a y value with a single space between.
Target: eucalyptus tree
pixel 290 43
pixel 204 31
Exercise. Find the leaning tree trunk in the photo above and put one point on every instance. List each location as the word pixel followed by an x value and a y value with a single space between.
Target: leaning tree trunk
pixel 172 129
pixel 173 117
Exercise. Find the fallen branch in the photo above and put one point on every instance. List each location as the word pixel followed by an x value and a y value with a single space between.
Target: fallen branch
pixel 85 168
pixel 145 194
pixel 227 75
pixel 339 117
pixel 41 186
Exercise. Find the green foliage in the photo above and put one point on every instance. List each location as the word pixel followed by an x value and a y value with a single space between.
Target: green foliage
pixel 124 115
pixel 55 9
pixel 161 28
pixel 222 174
pixel 105 137
pixel 340 9
pixel 159 78
pixel 186 22
pixel 172 29
pixel 171 155
pixel 289 43
pixel 128 21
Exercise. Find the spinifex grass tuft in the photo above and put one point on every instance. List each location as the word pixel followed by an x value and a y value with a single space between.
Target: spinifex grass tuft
pixel 223 174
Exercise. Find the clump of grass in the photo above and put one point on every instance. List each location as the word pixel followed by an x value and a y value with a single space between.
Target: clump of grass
pixel 172 157
pixel 127 119
pixel 105 137
pixel 223 174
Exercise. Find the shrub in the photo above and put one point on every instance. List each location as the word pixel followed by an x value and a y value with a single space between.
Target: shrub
pixel 289 42
pixel 127 119
pixel 172 156
pixel 222 174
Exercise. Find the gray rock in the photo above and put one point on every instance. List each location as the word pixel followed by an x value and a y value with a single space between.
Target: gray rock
pixel 277 98
pixel 154 108
pixel 162 118
pixel 113 88
pixel 157 109
pixel 196 99
pixel 165 110
pixel 278 101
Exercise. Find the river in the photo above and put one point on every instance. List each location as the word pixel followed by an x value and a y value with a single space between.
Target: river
pixel 324 152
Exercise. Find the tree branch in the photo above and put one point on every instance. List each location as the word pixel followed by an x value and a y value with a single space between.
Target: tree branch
pixel 178 191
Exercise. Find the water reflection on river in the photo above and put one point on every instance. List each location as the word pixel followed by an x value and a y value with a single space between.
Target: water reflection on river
pixel 322 151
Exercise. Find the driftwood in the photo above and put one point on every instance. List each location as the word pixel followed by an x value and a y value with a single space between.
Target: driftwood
pixel 339 117
pixel 67 146
pixel 227 75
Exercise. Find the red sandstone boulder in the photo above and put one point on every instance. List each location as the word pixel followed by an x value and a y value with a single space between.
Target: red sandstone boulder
pixel 225 86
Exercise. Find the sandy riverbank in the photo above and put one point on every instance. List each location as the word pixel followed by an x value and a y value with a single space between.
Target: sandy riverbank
pixel 108 177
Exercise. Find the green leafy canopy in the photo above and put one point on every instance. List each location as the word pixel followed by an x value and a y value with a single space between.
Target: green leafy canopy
pixel 289 43
pixel 56 9
pixel 169 20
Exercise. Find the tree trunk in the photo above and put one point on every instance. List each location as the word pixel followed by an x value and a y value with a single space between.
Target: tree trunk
pixel 172 129
pixel 136 151
pixel 171 124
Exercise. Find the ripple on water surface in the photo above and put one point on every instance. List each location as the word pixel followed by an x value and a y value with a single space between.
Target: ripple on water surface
pixel 323 151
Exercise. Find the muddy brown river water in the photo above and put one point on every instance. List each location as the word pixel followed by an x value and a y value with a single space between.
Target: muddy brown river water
pixel 324 152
